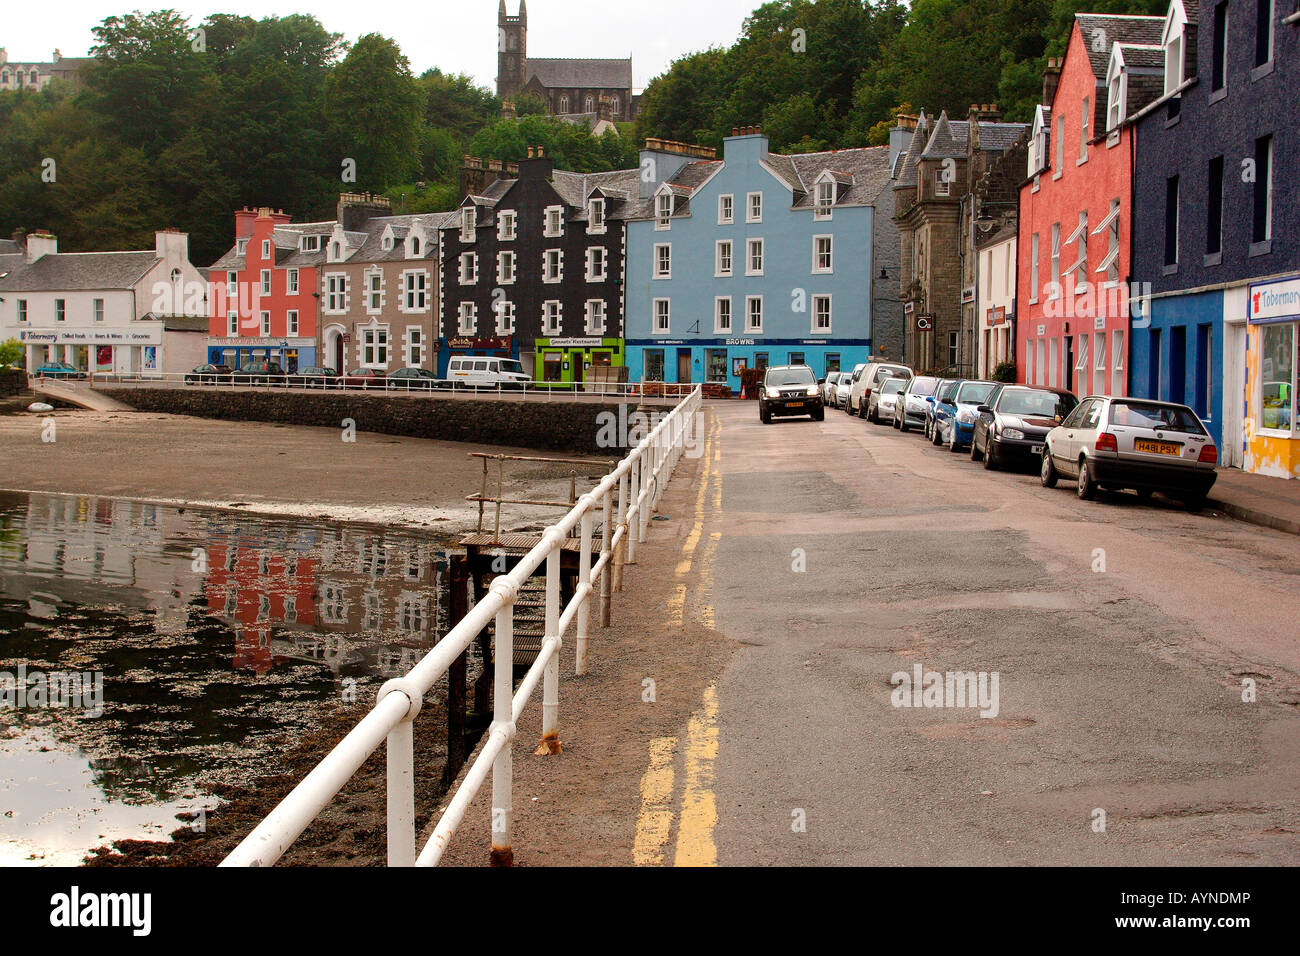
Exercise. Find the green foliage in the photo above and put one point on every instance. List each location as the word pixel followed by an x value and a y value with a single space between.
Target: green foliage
pixel 1005 372
pixel 570 145
pixel 11 352
pixel 528 104
pixel 375 112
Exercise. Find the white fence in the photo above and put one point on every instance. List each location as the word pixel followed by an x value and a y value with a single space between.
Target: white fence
pixel 639 481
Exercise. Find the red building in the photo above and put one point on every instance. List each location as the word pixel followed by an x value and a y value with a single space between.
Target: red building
pixel 254 589
pixel 1073 282
pixel 263 292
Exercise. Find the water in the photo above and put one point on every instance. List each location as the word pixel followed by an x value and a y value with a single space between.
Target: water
pixel 218 638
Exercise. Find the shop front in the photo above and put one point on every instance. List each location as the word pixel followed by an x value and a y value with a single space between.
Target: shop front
pixel 1270 432
pixel 721 361
pixel 500 347
pixel 571 360
pixel 122 351
pixel 290 354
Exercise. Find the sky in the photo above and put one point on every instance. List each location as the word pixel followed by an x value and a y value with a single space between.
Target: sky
pixel 457 36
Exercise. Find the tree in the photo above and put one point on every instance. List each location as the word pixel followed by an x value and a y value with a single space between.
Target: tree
pixel 11 352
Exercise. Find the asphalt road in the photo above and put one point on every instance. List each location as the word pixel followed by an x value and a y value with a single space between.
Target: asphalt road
pixel 1120 633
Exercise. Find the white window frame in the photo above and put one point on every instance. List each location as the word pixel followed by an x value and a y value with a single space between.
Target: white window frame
pixel 336 293
pixel 552 317
pixel 468 271
pixel 413 346
pixel 663 261
pixel 726 209
pixel 374 294
pixel 291 322
pixel 506 267
pixel 817 267
pixel 750 245
pixel 507 225
pixel 232 285
pixel 266 248
pixel 553 222
pixel 466 318
pixel 597 256
pixel 468 223
pixel 596 315
pixel 505 316
pixel 266 281
pixel 942 186
pixel 665 206
pixel 1174 42
pixel 1056 262
pixel 750 327
pixel 596 225
pixel 265 324
pixel 754 207
pixel 232 323
pixel 661 309
pixel 552 274
pixel 718 327
pixel 824 203
pixel 291 281
pixel 97 309
pixel 724 248
pixel 375 342
pixel 415 294
pixel 1034 274
pixel 817 302
pixel 1085 122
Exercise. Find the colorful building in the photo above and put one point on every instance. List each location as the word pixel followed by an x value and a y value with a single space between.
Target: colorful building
pixel 1076 209
pixel 760 259
pixel 1217 227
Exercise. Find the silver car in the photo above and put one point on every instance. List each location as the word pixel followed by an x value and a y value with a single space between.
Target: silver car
pixel 882 405
pixel 844 387
pixel 828 388
pixel 1139 443
pixel 911 408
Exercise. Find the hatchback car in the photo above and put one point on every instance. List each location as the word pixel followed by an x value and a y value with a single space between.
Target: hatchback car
pixel 59 370
pixel 209 375
pixel 844 388
pixel 911 407
pixel 412 379
pixel 315 376
pixel 260 373
pixel 884 400
pixel 957 421
pixel 789 390
pixel 364 378
pixel 1014 421
pixel 1138 443
pixel 872 375
pixel 943 393
pixel 828 387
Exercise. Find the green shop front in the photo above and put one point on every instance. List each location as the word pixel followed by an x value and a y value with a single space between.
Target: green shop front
pixel 571 360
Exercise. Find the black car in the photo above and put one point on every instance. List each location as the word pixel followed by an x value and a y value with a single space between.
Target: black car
pixel 789 390
pixel 209 375
pixel 315 376
pixel 1014 423
pixel 409 379
pixel 260 373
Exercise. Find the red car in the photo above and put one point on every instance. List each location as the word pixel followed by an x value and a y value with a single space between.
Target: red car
pixel 365 378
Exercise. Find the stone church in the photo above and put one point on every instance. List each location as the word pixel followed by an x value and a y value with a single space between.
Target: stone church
pixel 600 90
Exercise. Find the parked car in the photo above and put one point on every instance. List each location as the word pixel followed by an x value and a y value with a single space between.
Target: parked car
pixel 209 375
pixel 789 390
pixel 828 387
pixel 412 379
pixel 872 375
pixel 844 386
pixel 884 400
pixel 958 418
pixel 911 407
pixel 1014 421
pixel 260 373
pixel 59 370
pixel 1149 446
pixel 315 376
pixel 481 370
pixel 943 393
pixel 364 378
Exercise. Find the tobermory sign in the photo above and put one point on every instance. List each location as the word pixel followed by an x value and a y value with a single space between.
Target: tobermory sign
pixel 1276 301
pixel 145 336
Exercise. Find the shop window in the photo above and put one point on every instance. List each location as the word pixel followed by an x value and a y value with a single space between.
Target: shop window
pixel 1277 376
pixel 832 362
pixel 717 365
pixel 761 361
pixel 552 366
pixel 797 358
pixel 654 365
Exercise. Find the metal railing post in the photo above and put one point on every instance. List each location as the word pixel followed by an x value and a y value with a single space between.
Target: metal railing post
pixel 606 554
pixel 620 556
pixel 503 690
pixel 550 742
pixel 633 504
pixel 584 585
pixel 401 795
pixel 643 511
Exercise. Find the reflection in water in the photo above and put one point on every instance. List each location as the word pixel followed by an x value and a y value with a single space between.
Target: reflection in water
pixel 219 638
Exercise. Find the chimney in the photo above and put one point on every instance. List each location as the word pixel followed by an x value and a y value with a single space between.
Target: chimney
pixel 172 245
pixel 536 166
pixel 1051 77
pixel 244 223
pixel 19 236
pixel 355 209
pixel 41 243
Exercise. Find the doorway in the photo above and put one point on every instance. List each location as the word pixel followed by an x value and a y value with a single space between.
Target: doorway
pixel 577 358
pixel 684 366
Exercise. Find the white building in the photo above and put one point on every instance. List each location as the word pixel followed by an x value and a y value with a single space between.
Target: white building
pixel 124 312
pixel 996 299
pixel 37 76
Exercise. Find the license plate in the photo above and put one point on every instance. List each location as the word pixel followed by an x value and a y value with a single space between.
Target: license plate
pixel 794 404
pixel 1158 447
pixel 1036 449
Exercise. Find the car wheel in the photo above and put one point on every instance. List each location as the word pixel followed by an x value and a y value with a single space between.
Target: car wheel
pixel 1195 502
pixel 974 449
pixel 1144 495
pixel 765 416
pixel 990 452
pixel 936 436
pixel 1047 473
pixel 952 445
pixel 1085 489
pixel 902 424
pixel 819 415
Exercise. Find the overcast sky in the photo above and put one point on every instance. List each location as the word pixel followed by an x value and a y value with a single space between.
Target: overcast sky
pixel 457 36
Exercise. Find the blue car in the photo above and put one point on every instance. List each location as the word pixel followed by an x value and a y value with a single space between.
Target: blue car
pixel 59 370
pixel 955 420
pixel 939 406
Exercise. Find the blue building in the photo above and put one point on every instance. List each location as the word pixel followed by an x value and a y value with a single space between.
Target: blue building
pixel 1216 217
pixel 758 259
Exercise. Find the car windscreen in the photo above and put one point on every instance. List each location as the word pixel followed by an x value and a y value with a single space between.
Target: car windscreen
pixel 1035 403
pixel 924 386
pixel 1170 418
pixel 509 365
pixel 892 386
pixel 947 392
pixel 974 393
pixel 789 376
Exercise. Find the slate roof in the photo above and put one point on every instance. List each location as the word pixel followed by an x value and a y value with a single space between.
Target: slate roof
pixel 944 142
pixel 907 177
pixel 79 271
pixel 950 137
pixel 865 171
pixel 561 73
pixel 1115 29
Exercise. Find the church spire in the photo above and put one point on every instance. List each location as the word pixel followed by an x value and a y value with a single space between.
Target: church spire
pixel 523 11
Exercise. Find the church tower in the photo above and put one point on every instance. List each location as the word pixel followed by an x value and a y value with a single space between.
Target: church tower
pixel 512 50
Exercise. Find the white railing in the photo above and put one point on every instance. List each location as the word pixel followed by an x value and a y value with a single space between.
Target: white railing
pixel 437 387
pixel 639 481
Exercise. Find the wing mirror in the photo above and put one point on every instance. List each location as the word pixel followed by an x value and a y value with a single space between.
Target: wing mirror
pixel 984 410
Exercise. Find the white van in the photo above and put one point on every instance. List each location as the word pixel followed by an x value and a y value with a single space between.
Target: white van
pixel 479 370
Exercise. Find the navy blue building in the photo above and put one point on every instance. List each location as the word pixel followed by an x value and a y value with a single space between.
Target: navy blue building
pixel 1216 224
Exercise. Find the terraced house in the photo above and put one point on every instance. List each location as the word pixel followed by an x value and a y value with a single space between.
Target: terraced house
pixel 532 270
pixel 758 259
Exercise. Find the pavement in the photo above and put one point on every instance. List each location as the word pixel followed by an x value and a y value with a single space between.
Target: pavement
pixel 1134 669
pixel 1258 499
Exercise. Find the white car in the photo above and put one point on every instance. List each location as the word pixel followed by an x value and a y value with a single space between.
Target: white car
pixel 870 377
pixel 828 388
pixel 844 387
pixel 883 403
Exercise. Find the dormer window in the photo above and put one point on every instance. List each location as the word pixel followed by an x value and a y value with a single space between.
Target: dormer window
pixel 336 251
pixel 663 210
pixel 414 247
pixel 310 244
pixel 241 246
pixel 825 199
pixel 596 216
pixel 1039 140
pixel 388 242
pixel 506 225
pixel 1173 40
pixel 1116 90
pixel 942 187
pixel 468 221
